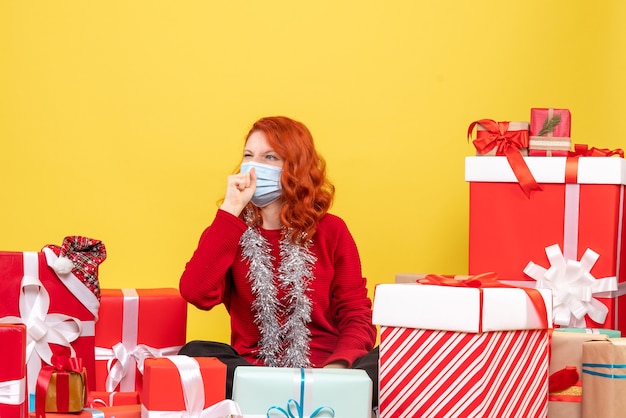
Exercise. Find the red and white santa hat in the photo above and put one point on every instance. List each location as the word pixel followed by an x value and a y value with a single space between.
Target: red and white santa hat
pixel 81 256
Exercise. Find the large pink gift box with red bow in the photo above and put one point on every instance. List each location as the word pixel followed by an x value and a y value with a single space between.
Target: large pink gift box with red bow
pixel 568 237
pixel 136 324
pixel 462 351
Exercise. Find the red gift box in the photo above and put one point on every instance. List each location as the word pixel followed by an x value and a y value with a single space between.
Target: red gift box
pixel 122 411
pixel 13 371
pixel 136 324
pixel 98 399
pixel 58 305
pixel 462 351
pixel 196 385
pixel 549 132
pixel 574 226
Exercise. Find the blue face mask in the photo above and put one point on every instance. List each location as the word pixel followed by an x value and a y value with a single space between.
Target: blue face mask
pixel 267 182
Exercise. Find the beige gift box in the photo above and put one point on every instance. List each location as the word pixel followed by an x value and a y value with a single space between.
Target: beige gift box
pixel 604 378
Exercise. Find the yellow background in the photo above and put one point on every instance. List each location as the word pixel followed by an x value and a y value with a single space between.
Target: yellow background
pixel 120 120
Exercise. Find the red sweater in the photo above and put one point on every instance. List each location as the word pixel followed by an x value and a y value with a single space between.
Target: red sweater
pixel 341 318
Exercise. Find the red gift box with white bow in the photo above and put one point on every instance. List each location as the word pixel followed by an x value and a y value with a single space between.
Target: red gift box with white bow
pixel 57 307
pixel 136 324
pixel 568 237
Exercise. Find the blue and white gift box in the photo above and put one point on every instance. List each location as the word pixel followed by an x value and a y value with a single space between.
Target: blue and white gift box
pixel 302 393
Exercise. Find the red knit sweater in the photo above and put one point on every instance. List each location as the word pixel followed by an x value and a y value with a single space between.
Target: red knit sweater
pixel 341 318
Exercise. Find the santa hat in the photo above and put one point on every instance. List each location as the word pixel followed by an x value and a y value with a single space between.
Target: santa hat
pixel 81 256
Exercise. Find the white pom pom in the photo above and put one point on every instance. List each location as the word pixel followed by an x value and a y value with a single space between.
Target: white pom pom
pixel 63 265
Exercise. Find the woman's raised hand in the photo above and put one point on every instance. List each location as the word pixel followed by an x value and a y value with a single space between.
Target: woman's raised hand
pixel 239 190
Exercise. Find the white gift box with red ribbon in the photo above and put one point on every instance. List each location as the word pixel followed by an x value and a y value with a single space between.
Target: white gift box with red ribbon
pixel 460 351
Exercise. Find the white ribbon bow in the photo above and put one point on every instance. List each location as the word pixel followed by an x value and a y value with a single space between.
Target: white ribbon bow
pixel 122 362
pixel 573 287
pixel 193 394
pixel 13 392
pixel 43 328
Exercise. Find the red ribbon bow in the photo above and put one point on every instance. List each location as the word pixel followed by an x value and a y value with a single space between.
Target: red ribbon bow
pixel 563 379
pixel 507 143
pixel 488 280
pixel 583 150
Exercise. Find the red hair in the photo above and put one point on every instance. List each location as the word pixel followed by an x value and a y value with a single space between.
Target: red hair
pixel 307 193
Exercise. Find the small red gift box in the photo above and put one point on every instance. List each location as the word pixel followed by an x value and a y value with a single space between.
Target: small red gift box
pixel 549 132
pixel 121 411
pixel 131 328
pixel 60 303
pixel 462 351
pixel 13 371
pixel 569 237
pixel 170 383
pixel 98 399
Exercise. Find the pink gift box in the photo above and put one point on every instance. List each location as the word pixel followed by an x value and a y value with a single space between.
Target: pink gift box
pixel 452 351
pixel 549 132
pixel 63 304
pixel 13 403
pixel 580 208
pixel 136 324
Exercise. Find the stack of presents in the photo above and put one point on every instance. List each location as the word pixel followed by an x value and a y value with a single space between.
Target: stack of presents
pixel 533 330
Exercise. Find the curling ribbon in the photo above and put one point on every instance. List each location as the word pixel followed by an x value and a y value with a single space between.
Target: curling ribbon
pixel 507 143
pixel 305 376
pixel 489 280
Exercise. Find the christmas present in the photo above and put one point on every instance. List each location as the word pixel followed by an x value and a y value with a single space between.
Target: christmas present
pixel 611 333
pixel 13 403
pixel 98 399
pixel 61 387
pixel 509 139
pixel 177 384
pixel 56 294
pixel 566 388
pixel 549 132
pixel 568 237
pixel 604 378
pixel 302 392
pixel 131 329
pixel 462 348
pixel 121 411
pixel 416 277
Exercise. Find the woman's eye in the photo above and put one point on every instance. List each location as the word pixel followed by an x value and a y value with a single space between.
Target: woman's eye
pixel 271 157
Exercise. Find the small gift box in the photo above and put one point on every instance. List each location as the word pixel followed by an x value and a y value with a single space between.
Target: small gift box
pixel 567 352
pixel 508 139
pixel 461 347
pixel 131 329
pixel 98 399
pixel 185 386
pixel 121 411
pixel 13 371
pixel 604 378
pixel 292 392
pixel 549 132
pixel 61 387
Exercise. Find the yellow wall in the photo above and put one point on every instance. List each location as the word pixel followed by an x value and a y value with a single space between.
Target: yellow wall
pixel 120 120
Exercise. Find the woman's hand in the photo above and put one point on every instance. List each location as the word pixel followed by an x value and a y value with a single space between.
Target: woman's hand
pixel 339 364
pixel 239 190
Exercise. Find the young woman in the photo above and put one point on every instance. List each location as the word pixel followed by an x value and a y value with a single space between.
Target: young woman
pixel 287 271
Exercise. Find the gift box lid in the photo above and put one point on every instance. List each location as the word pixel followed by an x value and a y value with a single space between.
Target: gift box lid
pixel 457 308
pixel 591 170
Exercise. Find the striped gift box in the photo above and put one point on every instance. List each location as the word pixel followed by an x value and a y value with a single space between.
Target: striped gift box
pixel 451 352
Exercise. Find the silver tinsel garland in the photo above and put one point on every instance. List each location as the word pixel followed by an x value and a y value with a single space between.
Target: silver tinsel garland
pixel 286 344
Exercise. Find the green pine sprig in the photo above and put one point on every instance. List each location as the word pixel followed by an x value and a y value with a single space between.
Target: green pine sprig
pixel 550 124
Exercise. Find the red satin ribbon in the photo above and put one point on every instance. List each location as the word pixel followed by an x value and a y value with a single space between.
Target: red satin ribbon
pixel 63 366
pixel 563 379
pixel 583 150
pixel 507 143
pixel 489 280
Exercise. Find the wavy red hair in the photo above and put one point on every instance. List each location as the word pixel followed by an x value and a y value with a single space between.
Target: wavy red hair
pixel 307 192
